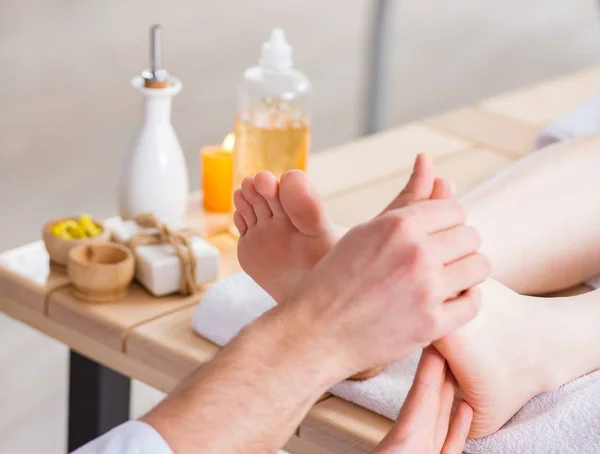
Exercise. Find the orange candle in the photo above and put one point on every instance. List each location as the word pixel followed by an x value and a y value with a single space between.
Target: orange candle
pixel 217 180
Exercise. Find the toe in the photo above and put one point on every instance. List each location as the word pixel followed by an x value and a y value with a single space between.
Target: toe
pixel 240 223
pixel 301 203
pixel 267 186
pixel 244 208
pixel 258 202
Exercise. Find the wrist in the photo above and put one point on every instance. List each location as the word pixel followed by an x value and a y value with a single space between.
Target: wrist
pixel 300 345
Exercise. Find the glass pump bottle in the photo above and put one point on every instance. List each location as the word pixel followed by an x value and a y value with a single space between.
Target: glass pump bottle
pixel 272 130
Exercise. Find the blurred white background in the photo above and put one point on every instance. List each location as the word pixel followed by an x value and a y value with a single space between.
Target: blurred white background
pixel 67 111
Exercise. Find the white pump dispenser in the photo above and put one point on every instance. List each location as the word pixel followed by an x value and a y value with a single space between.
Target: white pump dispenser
pixel 276 52
pixel 272 129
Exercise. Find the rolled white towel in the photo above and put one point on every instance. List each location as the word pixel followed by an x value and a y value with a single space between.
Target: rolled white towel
pixel 581 121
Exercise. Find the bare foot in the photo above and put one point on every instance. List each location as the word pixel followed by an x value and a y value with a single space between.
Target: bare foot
pixel 518 347
pixel 284 231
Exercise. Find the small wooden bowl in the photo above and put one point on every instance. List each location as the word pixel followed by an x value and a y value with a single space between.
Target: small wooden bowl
pixel 58 248
pixel 100 271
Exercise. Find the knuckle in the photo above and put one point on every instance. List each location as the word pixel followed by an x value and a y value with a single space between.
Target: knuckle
pixel 487 264
pixel 484 266
pixel 399 227
pixel 458 209
pixel 474 236
pixel 417 256
pixel 472 303
pixel 429 326
pixel 427 292
pixel 401 224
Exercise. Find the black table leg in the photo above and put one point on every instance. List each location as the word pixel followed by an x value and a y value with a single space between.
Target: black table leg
pixel 98 400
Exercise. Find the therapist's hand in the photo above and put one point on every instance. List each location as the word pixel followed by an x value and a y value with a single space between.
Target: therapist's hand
pixel 425 424
pixel 391 286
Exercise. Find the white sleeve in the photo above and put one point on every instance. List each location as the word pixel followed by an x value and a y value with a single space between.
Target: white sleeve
pixel 132 437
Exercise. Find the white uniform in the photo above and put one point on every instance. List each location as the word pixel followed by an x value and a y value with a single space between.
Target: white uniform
pixel 132 437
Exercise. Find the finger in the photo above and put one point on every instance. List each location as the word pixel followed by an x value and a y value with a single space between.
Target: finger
pixel 434 215
pixel 244 207
pixel 464 273
pixel 446 401
pixel 239 222
pixel 420 183
pixel 442 189
pixel 418 187
pixel 459 311
pixel 420 409
pixel 417 417
pixel 459 430
pixel 258 202
pixel 454 243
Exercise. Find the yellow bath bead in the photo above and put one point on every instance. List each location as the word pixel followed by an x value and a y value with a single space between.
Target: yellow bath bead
pixel 86 220
pixel 92 231
pixel 76 231
pixel 58 229
pixel 84 227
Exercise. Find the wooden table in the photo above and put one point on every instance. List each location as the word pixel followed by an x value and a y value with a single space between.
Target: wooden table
pixel 151 339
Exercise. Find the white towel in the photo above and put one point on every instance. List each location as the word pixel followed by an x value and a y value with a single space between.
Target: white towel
pixel 579 122
pixel 229 306
pixel 564 421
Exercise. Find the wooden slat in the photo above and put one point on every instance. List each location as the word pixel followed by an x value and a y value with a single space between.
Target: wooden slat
pixel 464 169
pixel 343 427
pixel 544 102
pixel 372 158
pixel 108 322
pixel 297 445
pixel 27 276
pixel 168 344
pixel 87 346
pixel 487 129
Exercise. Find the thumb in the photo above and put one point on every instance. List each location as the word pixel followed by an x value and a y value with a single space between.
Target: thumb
pixel 442 189
pixel 420 183
pixel 415 427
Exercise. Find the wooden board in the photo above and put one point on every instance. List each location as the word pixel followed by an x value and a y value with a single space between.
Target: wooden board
pixel 343 427
pixel 87 346
pixel 27 276
pixel 369 159
pixel 297 445
pixel 488 129
pixel 109 322
pixel 542 103
pixel 465 170
pixel 169 344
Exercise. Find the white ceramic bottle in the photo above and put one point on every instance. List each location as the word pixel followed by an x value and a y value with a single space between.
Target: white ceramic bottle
pixel 154 175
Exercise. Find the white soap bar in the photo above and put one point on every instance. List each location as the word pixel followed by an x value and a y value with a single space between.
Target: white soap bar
pixel 158 268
